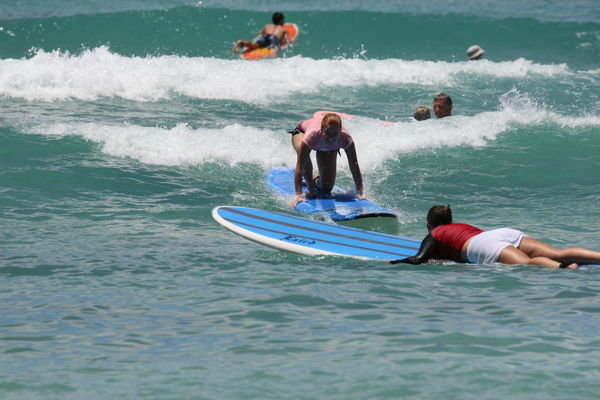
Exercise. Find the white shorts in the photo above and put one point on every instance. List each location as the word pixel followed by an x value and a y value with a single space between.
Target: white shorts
pixel 486 247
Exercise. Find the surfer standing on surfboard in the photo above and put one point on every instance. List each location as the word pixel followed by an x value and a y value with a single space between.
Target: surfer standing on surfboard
pixel 271 36
pixel 324 134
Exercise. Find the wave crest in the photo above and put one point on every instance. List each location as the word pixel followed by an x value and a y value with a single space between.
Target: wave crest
pixel 98 73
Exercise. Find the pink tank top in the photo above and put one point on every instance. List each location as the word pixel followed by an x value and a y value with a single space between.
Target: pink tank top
pixel 315 139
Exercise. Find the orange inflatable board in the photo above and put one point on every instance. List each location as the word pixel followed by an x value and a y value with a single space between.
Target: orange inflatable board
pixel 265 52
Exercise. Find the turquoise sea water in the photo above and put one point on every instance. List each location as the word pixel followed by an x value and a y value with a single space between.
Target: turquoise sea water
pixel 123 123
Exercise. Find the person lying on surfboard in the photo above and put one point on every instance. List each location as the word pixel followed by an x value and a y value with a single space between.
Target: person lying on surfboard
pixel 272 36
pixel 324 134
pixel 465 243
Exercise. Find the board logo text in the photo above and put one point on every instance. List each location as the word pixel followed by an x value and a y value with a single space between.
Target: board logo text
pixel 295 239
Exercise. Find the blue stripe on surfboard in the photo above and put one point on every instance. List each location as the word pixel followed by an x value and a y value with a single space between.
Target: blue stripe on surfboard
pixel 328 226
pixel 330 229
pixel 352 242
pixel 355 249
pixel 318 235
pixel 340 207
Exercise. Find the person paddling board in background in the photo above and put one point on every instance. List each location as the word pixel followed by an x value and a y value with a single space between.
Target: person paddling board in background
pixel 271 36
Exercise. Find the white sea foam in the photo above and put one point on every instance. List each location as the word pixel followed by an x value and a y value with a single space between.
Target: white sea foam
pixel 521 108
pixel 181 145
pixel 97 73
pixel 376 142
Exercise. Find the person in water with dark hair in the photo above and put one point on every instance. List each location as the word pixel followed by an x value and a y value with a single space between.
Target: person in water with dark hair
pixel 465 243
pixel 272 36
pixel 442 105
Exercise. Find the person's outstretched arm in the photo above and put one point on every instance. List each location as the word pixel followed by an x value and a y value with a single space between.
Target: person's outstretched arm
pixel 425 252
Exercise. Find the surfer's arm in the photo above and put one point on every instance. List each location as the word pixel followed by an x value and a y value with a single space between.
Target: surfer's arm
pixel 425 252
pixel 355 169
pixel 284 39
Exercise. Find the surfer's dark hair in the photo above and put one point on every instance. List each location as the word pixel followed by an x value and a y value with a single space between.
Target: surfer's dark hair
pixel 439 215
pixel 444 97
pixel 277 18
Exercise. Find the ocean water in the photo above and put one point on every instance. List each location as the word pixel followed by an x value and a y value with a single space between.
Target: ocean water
pixel 123 123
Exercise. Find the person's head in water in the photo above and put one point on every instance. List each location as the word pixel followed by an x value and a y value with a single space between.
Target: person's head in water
pixel 277 18
pixel 422 113
pixel 439 215
pixel 442 105
pixel 475 52
pixel 331 126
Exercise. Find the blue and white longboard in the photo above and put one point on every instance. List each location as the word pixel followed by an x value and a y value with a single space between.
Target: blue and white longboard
pixel 340 206
pixel 311 237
